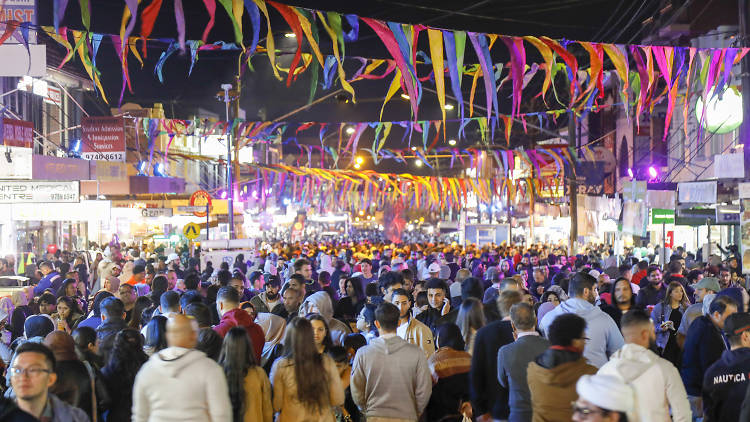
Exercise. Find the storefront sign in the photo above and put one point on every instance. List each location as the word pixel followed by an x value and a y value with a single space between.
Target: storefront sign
pixel 156 212
pixel 19 192
pixel 662 216
pixel 47 167
pixel 85 211
pixel 729 166
pixel 16 163
pixel 728 214
pixel 669 240
pixel 17 133
pixel 103 138
pixel 697 192
pixel 21 11
pixel 200 198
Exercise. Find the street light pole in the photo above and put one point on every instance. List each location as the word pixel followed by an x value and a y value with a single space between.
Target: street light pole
pixel 230 189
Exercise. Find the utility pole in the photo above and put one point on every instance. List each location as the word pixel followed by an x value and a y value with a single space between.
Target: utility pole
pixel 230 188
pixel 745 78
pixel 572 187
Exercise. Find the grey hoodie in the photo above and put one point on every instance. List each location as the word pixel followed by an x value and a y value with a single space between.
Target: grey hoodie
pixel 604 336
pixel 391 379
pixel 178 384
pixel 320 302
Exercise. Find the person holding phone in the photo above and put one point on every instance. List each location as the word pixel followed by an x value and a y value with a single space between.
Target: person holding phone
pixel 439 309
pixel 667 316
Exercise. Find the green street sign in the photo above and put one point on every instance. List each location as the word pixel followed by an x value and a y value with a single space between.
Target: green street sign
pixel 662 216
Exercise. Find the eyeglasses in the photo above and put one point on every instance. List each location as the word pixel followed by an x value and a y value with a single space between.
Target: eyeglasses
pixel 585 411
pixel 31 372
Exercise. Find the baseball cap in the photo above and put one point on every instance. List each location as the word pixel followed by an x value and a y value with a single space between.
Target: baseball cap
pixel 172 257
pixel 708 283
pixel 397 260
pixel 736 324
pixel 433 268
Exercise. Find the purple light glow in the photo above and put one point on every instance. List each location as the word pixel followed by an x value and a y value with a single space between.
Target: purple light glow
pixel 652 172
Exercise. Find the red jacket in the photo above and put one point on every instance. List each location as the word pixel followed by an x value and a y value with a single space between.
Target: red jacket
pixel 637 277
pixel 240 318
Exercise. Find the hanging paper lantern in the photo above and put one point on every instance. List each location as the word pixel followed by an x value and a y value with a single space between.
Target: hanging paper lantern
pixel 723 112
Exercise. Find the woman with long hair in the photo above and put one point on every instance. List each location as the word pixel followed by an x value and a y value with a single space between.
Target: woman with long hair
pixel 68 315
pixel 156 335
pixel 470 319
pixel 142 303
pixel 349 306
pixel 321 332
pixel 125 359
pixel 306 383
pixel 249 387
pixel 667 316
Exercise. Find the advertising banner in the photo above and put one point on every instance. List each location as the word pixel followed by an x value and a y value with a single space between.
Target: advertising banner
pixel 17 133
pixel 745 234
pixel 103 138
pixel 697 192
pixel 32 191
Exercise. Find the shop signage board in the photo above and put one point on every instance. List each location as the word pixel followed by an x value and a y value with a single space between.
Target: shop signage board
pixel 634 190
pixel 728 214
pixel 662 216
pixel 191 231
pixel 17 133
pixel 191 209
pixel 156 212
pixel 200 198
pixel 32 192
pixel 20 163
pixel 729 166
pixel 669 240
pixel 103 138
pixel 697 192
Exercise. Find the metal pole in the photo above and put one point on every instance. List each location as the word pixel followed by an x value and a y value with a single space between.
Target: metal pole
pixel 663 245
pixel 745 78
pixel 572 188
pixel 208 218
pixel 230 189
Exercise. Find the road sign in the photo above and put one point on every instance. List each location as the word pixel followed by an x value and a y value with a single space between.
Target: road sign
pixel 192 209
pixel 191 231
pixel 662 216
pixel 200 198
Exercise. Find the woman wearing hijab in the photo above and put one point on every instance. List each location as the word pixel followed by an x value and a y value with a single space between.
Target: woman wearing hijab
pixel 274 327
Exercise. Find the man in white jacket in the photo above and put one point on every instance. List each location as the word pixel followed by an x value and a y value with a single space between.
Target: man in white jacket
pixel 656 381
pixel 180 383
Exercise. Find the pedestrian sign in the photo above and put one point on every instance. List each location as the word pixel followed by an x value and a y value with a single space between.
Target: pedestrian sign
pixel 191 231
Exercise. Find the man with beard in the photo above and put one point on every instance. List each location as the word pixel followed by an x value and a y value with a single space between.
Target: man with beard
pixel 604 337
pixel 623 300
pixel 269 299
pixel 656 381
pixel 654 292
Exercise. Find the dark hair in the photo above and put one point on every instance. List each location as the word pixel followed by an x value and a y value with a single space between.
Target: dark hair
pixel 159 284
pixel 31 346
pixel 169 302
pixel 272 280
pixel 83 337
pixel 64 287
pixel 298 264
pixel 675 266
pixel 371 289
pixel 436 283
pixel 338 354
pixel 72 305
pixel 422 299
pixel 112 308
pixel 209 342
pixel 156 333
pixel 642 264
pixel 566 328
pixel 192 280
pixel 223 276
pixel 720 303
pixel 98 298
pixel 236 358
pixel 141 304
pixel 579 282
pixel 125 358
pixel 449 335
pixel 190 297
pixel 366 261
pixel 401 292
pixel 327 341
pixel 200 312
pixel 309 373
pixel 634 317
pixel 354 341
pixel 470 316
pixel 389 278
pixel 547 294
pixel 47 298
pixel 387 314
pixel 228 295
pixel 357 286
pixel 651 269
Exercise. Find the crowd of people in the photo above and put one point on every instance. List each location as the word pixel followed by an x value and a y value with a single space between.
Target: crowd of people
pixel 345 332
